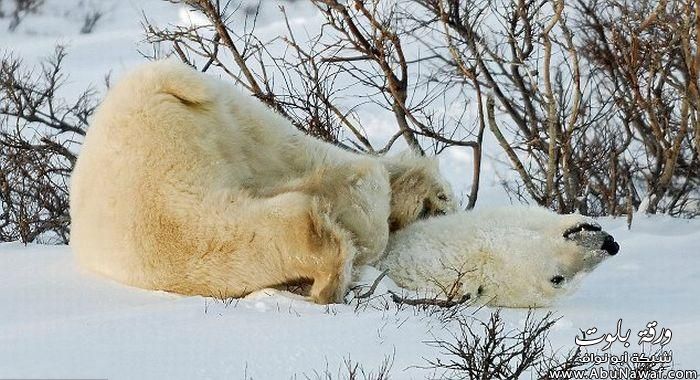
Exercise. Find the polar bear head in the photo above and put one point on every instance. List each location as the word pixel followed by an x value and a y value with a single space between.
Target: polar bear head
pixel 510 256
pixel 533 267
pixel 418 190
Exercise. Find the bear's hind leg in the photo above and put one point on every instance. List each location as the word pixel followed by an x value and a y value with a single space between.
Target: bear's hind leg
pixel 319 249
pixel 268 242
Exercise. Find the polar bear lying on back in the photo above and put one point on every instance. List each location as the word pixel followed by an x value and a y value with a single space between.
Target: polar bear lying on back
pixel 186 184
pixel 510 256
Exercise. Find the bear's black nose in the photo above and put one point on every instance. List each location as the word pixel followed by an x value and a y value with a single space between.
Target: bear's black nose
pixel 610 246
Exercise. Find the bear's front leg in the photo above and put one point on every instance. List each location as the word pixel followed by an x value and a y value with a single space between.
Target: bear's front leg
pixel 359 198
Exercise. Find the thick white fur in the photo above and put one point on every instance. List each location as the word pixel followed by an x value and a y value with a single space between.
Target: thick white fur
pixel 506 256
pixel 187 185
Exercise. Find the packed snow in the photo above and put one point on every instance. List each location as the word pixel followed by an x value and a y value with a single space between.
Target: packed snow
pixel 57 321
pixel 60 322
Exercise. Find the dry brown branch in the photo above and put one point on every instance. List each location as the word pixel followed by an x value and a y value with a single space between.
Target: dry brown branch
pixel 20 9
pixel 432 301
pixel 373 287
pixel 351 370
pixel 646 68
pixel 378 44
pixel 514 159
pixel 552 127
pixel 358 45
pixel 593 94
pixel 38 136
pixel 486 350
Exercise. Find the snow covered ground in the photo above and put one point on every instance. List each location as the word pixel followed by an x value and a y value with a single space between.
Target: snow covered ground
pixel 59 322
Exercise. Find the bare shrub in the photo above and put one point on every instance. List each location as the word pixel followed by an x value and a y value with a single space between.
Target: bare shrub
pixel 512 56
pixel 546 64
pixel 646 60
pixel 443 306
pixel 90 21
pixel 595 103
pixel 38 134
pixel 581 131
pixel 360 45
pixel 487 350
pixel 351 370
pixel 20 8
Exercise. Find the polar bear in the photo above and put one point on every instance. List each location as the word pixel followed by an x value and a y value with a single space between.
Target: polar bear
pixel 188 185
pixel 509 256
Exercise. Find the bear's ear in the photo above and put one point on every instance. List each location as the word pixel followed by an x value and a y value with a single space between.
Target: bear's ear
pixel 178 79
pixel 408 154
pixel 185 83
pixel 411 158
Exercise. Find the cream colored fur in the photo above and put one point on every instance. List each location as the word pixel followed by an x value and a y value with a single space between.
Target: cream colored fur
pixel 413 197
pixel 505 256
pixel 187 185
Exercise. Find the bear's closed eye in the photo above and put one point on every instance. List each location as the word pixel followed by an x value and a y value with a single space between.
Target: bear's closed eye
pixel 579 228
pixel 557 280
